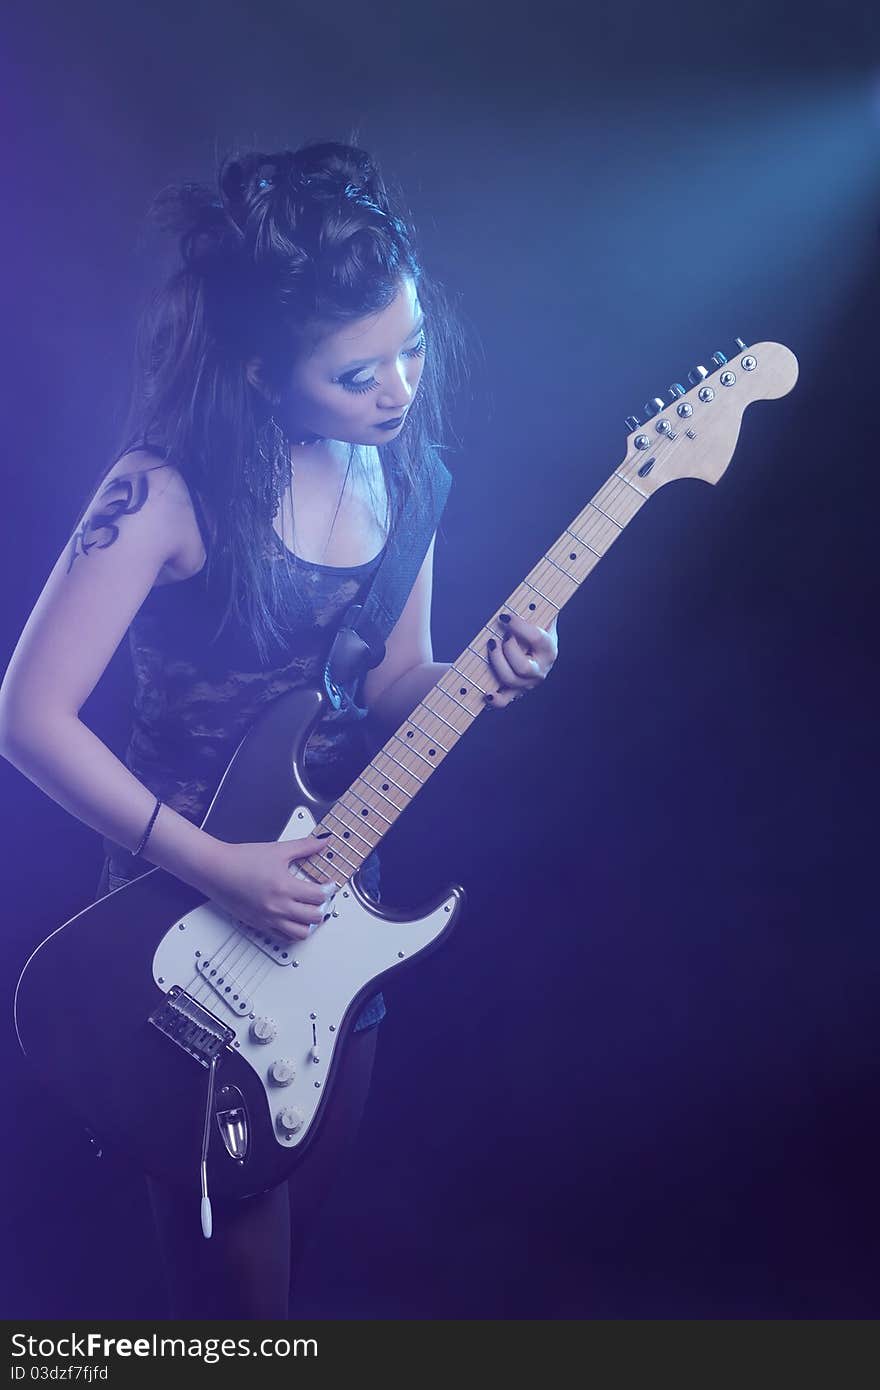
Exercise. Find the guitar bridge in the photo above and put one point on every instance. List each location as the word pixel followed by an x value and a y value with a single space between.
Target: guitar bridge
pixel 191 1026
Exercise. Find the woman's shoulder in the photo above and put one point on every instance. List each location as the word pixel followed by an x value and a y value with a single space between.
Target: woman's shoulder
pixel 145 473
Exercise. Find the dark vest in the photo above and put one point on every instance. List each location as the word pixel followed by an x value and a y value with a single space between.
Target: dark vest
pixel 196 697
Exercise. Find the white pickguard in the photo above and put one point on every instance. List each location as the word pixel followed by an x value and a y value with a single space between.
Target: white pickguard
pixel 303 987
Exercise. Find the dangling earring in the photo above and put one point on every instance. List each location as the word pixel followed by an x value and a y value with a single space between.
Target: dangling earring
pixel 271 477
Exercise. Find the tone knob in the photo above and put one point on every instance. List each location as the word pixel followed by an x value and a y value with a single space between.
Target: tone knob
pixel 632 423
pixel 719 359
pixel 675 390
pixel 697 375
pixel 289 1120
pixel 282 1072
pixel 264 1030
pixel 652 407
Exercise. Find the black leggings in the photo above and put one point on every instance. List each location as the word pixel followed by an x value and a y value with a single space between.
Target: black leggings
pixel 248 1268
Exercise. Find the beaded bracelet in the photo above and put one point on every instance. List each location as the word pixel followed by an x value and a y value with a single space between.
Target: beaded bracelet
pixel 146 834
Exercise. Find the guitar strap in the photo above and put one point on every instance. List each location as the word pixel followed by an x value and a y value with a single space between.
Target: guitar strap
pixel 359 644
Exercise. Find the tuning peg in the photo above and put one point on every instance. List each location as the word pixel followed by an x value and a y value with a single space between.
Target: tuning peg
pixel 675 390
pixel 653 407
pixel 740 345
pixel 719 359
pixel 697 375
pixel 632 422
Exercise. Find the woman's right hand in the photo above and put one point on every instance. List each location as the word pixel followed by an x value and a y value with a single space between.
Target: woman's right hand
pixel 259 885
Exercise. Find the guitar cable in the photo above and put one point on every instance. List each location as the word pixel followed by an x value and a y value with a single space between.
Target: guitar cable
pixel 207 1221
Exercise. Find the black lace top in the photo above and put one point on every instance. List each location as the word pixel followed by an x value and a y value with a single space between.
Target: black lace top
pixel 195 697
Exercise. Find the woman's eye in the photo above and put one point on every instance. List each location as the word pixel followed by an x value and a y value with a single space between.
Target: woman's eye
pixel 361 386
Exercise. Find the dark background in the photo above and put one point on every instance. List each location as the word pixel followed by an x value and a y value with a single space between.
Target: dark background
pixel 641 1080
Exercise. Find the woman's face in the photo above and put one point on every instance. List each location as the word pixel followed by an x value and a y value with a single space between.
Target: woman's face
pixel 361 375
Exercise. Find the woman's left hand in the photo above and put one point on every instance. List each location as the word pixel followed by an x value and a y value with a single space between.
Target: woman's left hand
pixel 522 660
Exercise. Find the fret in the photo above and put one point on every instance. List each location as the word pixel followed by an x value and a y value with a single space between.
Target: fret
pixel 334 852
pixel 453 699
pixel 471 679
pixel 359 818
pixel 597 508
pixel 600 528
pixel 387 779
pixel 632 485
pixel 350 830
pixel 584 562
pixel 560 569
pixel 414 772
pixel 591 527
pixel 412 749
pixel 396 808
pixel 424 732
pixel 544 581
pixel 409 772
pixel 303 867
pixel 536 590
pixel 482 659
pixel 452 727
pixel 618 500
pixel 598 553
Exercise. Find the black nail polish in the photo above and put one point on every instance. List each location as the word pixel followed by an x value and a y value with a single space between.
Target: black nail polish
pixel 488 697
pixel 323 834
pixel 492 644
pixel 504 617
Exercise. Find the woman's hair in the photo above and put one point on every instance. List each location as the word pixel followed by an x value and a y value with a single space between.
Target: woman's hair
pixel 286 248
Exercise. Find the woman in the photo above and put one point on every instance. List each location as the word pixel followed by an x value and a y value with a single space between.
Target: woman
pixel 285 406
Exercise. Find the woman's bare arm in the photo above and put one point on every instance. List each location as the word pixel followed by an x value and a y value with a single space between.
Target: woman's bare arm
pixel 139 522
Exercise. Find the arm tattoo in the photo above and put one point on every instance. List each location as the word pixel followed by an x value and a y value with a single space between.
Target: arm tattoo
pixel 122 496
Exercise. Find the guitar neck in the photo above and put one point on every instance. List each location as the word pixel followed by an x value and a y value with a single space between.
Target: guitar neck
pixel 370 807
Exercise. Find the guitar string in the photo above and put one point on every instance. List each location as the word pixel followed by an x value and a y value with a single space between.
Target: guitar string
pixel 249 953
pixel 612 489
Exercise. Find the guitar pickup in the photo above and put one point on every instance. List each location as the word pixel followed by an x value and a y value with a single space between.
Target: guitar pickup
pixel 225 986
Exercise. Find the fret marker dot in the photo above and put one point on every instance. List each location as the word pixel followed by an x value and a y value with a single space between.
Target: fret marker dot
pixel 365 812
pixel 329 854
pixel 572 555
pixel 410 734
pixel 531 605
pixel 384 786
pixel 463 690
pixel 346 834
pixel 431 752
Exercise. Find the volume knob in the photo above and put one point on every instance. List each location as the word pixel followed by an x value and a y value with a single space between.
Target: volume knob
pixel 282 1072
pixel 264 1030
pixel 289 1120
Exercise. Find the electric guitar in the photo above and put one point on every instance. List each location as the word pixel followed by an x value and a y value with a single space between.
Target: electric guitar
pixel 207 1049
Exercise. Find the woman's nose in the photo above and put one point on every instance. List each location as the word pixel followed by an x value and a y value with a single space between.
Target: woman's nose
pixel 399 391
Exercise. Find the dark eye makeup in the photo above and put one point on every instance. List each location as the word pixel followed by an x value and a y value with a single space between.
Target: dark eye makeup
pixel 361 386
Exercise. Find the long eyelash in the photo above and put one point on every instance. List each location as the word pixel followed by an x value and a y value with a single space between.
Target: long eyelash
pixel 417 351
pixel 359 390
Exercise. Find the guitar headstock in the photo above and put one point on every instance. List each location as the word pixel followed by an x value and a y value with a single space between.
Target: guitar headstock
pixel 693 433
